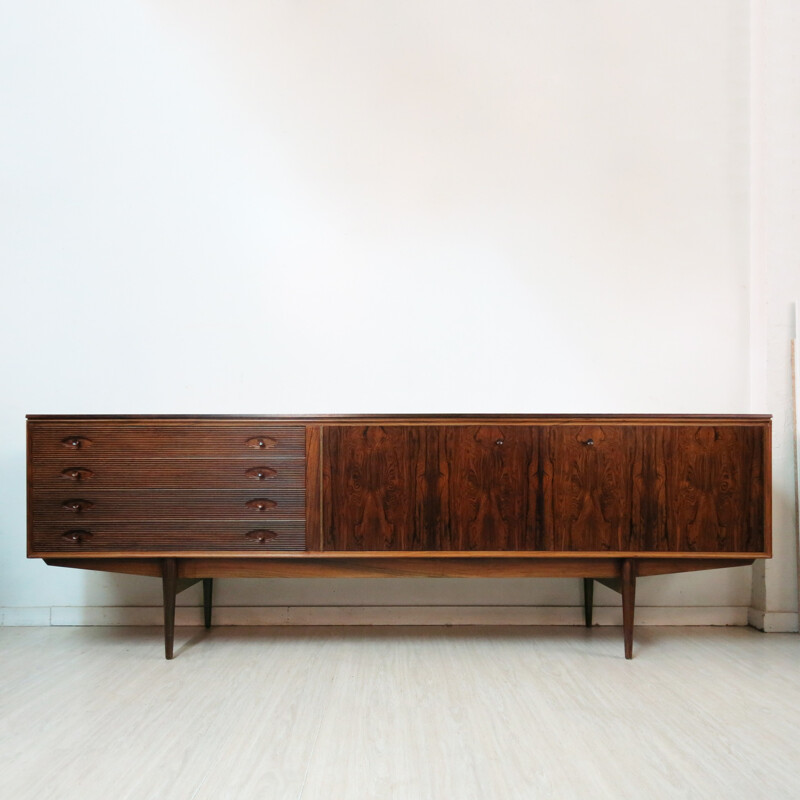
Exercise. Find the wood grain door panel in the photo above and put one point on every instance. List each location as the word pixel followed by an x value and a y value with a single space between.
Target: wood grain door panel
pixel 374 488
pixel 655 488
pixel 565 488
pixel 712 488
pixel 490 477
pixel 588 494
pixel 429 487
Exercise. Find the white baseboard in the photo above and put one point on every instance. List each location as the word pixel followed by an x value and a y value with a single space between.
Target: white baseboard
pixel 33 617
pixel 773 621
pixel 375 615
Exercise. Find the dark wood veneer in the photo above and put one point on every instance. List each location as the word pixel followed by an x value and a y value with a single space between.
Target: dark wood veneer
pixel 375 493
pixel 168 536
pixel 197 473
pixel 102 440
pixel 713 488
pixel 588 494
pixel 615 488
pixel 607 497
pixel 490 488
pixel 430 488
pixel 151 505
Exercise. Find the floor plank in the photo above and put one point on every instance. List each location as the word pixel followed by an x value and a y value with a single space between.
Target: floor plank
pixel 417 713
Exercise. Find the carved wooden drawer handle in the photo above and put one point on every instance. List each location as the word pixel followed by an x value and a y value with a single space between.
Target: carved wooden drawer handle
pixel 77 473
pixel 260 536
pixel 78 537
pixel 261 442
pixel 589 442
pixel 260 473
pixel 76 506
pixel 261 504
pixel 76 442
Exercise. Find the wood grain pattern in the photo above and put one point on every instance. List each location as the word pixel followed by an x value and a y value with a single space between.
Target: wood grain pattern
pixel 638 487
pixel 489 488
pixel 430 488
pixel 372 496
pixel 655 488
pixel 588 488
pixel 169 535
pixel 399 566
pixel 313 494
pixel 713 489
pixel 194 473
pixel 99 441
pixel 588 494
pixel 153 505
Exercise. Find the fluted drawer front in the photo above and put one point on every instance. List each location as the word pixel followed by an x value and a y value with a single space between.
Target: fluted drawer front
pixel 93 441
pixel 83 507
pixel 80 475
pixel 100 537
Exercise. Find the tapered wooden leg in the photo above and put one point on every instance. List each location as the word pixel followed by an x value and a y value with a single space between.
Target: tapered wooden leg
pixel 169 577
pixel 588 600
pixel 208 588
pixel 628 602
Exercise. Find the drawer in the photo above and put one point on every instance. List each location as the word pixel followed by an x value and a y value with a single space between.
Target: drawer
pixel 81 508
pixel 79 476
pixel 106 537
pixel 93 441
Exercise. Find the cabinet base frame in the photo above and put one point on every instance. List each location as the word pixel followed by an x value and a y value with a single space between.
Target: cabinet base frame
pixel 619 574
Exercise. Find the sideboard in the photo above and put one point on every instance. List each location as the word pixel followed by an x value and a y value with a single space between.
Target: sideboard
pixel 606 498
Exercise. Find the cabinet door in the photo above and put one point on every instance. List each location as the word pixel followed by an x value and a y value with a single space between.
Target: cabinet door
pixel 435 487
pixel 375 492
pixel 558 488
pixel 654 488
pixel 712 489
pixel 491 488
pixel 588 487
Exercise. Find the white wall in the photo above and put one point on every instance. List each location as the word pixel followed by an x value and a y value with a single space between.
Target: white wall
pixel 350 207
pixel 778 229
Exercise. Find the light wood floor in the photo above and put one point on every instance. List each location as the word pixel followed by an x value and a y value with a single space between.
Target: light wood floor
pixel 416 713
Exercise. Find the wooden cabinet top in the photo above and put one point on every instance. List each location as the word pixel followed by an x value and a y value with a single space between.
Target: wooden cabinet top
pixel 338 419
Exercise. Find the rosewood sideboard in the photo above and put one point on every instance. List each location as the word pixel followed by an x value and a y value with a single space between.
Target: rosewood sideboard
pixel 601 498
